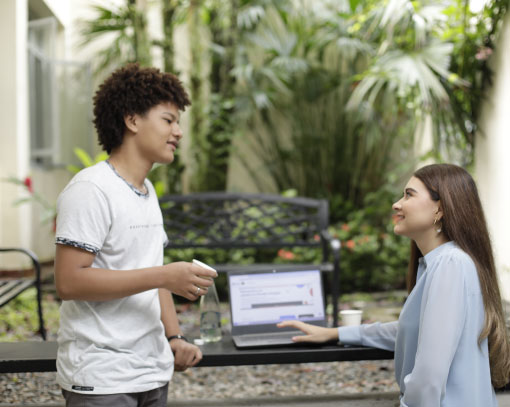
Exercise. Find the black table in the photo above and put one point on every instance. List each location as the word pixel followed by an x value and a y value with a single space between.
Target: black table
pixel 41 356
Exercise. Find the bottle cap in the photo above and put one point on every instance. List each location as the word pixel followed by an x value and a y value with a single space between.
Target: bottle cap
pixel 199 263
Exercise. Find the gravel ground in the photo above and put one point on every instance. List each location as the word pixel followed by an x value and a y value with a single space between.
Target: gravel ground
pixel 245 382
pixel 209 383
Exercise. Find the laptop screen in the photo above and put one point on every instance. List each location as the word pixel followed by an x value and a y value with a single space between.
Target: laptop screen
pixel 271 297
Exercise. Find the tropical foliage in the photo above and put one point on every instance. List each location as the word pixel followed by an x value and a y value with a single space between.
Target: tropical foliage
pixel 127 28
pixel 327 98
pixel 335 95
pixel 86 160
pixel 368 75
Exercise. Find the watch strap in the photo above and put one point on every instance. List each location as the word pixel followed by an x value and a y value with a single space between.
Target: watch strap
pixel 178 336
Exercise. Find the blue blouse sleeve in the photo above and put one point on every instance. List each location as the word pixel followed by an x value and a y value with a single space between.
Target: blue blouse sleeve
pixel 442 318
pixel 378 335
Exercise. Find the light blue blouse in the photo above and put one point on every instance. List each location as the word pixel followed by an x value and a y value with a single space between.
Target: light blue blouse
pixel 438 362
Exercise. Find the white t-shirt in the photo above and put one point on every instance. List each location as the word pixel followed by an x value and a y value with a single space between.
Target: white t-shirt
pixel 117 346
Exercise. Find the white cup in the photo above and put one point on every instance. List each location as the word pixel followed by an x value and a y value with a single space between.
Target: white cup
pixel 351 317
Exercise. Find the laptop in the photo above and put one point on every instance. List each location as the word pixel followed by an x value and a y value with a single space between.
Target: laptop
pixel 261 299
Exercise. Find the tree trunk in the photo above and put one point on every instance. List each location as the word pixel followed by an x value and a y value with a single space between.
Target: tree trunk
pixel 222 88
pixel 141 42
pixel 169 8
pixel 199 145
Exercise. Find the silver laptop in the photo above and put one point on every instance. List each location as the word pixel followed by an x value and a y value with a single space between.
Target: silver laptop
pixel 261 299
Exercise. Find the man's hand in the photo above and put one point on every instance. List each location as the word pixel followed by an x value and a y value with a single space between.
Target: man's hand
pixel 188 280
pixel 185 354
pixel 315 334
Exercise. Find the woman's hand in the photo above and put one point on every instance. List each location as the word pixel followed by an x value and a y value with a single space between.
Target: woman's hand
pixel 315 334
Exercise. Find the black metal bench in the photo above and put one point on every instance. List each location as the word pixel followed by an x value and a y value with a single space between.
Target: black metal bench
pixel 253 221
pixel 10 288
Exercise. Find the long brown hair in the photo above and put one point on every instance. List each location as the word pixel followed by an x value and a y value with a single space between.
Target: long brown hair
pixel 464 222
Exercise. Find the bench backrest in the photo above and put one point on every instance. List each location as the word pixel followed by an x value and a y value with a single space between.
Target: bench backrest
pixel 226 220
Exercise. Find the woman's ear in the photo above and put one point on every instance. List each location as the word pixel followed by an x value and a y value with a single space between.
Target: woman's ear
pixel 439 211
pixel 130 122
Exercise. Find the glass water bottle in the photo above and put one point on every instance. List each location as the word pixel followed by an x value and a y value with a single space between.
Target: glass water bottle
pixel 210 317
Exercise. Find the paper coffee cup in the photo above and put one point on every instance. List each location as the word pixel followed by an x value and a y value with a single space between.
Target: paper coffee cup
pixel 351 317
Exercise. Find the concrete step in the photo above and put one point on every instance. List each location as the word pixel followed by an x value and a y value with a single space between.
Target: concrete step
pixel 379 400
pixel 365 400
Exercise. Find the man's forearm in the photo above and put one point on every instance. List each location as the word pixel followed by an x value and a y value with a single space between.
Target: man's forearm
pixel 76 279
pixel 95 284
pixel 168 313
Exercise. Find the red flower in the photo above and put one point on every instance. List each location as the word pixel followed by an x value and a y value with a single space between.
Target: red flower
pixel 28 184
pixel 346 227
pixel 285 254
pixel 483 53
pixel 350 244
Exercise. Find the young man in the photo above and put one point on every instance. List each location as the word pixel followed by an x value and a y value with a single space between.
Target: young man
pixel 119 336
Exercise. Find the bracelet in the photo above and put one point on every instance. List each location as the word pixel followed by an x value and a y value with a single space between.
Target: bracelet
pixel 179 336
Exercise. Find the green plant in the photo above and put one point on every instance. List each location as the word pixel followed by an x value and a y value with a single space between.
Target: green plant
pixel 127 25
pixel 372 257
pixel 294 89
pixel 431 58
pixel 214 30
pixel 49 210
pixel 18 318
pixel 474 36
pixel 86 160
pixel 333 94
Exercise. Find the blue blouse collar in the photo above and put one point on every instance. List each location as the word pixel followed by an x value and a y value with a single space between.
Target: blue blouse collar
pixel 433 254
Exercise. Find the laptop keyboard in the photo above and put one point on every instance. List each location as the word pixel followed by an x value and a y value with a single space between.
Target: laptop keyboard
pixel 266 339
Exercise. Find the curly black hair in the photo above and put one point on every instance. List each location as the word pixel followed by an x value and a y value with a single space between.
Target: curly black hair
pixel 132 90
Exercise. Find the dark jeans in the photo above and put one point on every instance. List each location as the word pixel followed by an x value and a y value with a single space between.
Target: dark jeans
pixel 151 398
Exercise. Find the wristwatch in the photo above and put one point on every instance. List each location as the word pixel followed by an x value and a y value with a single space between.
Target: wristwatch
pixel 178 336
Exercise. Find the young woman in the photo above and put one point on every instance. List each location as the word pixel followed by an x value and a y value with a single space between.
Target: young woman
pixel 451 344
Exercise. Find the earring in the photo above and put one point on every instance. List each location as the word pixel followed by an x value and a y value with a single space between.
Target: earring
pixel 438 230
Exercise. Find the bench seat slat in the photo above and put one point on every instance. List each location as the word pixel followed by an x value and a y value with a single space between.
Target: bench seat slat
pixel 13 288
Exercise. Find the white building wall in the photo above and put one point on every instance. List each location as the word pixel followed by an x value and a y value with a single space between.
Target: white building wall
pixel 15 223
pixel 493 159
pixel 19 225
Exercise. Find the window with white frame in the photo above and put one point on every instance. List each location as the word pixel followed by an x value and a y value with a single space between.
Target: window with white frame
pixel 60 99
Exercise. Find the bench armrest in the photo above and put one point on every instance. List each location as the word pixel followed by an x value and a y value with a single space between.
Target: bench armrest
pixel 29 253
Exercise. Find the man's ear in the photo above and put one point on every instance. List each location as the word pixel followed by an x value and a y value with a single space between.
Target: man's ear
pixel 131 123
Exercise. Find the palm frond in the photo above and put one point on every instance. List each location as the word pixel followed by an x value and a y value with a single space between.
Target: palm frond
pixel 250 16
pixel 289 65
pixel 351 47
pixel 418 73
pixel 394 13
